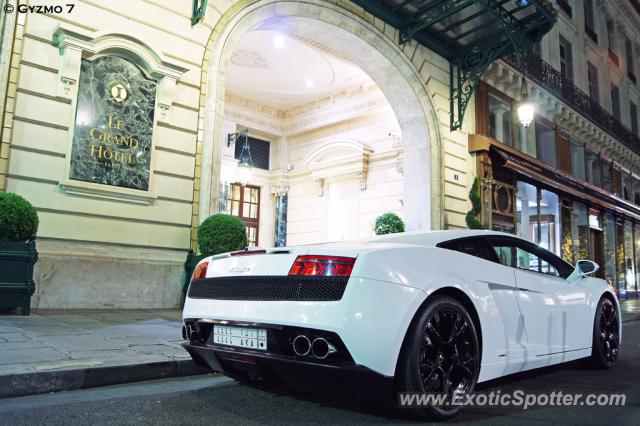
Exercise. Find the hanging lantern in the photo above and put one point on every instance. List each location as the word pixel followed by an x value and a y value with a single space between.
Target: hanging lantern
pixel 525 108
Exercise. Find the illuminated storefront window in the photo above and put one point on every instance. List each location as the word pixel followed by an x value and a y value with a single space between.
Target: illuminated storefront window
pixel 620 265
pixel 527 212
pixel 580 230
pixel 630 273
pixel 609 248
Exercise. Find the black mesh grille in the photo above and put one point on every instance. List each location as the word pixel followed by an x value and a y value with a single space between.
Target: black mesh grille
pixel 269 288
pixel 259 151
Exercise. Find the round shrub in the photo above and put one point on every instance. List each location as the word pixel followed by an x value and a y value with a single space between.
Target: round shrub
pixel 221 233
pixel 388 223
pixel 18 218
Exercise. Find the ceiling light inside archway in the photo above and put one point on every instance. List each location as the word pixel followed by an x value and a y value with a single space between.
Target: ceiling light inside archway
pixel 278 41
pixel 309 83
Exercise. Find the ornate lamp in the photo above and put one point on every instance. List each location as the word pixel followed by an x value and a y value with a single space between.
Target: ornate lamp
pixel 245 155
pixel 525 108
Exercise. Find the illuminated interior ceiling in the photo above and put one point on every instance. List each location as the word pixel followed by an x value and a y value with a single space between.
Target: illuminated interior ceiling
pixel 470 34
pixel 280 71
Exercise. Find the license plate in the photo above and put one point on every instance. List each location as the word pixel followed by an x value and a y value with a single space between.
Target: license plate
pixel 241 337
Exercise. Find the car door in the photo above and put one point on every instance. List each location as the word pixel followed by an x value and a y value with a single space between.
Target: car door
pixel 507 337
pixel 554 311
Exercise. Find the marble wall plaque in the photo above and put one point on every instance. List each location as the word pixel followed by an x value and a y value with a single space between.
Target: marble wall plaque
pixel 114 124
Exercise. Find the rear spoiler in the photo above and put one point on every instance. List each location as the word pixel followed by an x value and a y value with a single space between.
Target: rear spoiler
pixel 252 251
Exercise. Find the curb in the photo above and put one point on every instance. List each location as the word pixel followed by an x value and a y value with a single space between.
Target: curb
pixel 13 385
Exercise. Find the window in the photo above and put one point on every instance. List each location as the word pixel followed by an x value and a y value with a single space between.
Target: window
pixel 244 202
pixel 577 159
pixel 633 114
pixel 260 150
pixel 626 185
pixel 607 176
pixel 546 143
pixel 594 173
pixel 525 138
pixel 566 59
pixel 472 246
pixel 630 274
pixel 589 24
pixel 592 77
pixel 549 238
pixel 628 50
pixel 621 267
pixel 537 49
pixel 518 254
pixel 565 5
pixel 615 101
pixel 609 236
pixel 636 190
pixel 527 212
pixel 611 35
pixel 500 120
pixel 580 230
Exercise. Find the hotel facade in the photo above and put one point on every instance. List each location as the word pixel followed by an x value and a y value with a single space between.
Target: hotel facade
pixel 127 123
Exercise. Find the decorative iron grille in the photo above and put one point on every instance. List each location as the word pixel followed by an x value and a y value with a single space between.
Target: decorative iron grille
pixel 259 152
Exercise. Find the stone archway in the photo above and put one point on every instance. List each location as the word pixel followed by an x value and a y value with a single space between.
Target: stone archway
pixel 362 44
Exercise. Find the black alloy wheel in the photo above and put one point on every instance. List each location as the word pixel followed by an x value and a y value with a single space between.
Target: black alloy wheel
pixel 441 357
pixel 606 335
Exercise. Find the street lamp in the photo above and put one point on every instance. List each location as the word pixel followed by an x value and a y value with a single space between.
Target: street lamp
pixel 525 108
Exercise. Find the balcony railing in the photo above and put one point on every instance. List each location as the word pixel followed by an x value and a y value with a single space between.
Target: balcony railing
pixel 551 80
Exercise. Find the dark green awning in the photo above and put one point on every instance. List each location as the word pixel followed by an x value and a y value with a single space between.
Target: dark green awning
pixel 470 34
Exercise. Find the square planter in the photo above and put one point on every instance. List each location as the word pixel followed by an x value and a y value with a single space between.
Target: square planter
pixel 16 275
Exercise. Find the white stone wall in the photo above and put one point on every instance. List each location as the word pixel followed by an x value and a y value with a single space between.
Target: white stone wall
pixel 102 252
pixel 297 133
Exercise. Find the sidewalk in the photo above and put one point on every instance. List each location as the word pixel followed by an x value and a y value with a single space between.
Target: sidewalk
pixel 630 310
pixel 57 350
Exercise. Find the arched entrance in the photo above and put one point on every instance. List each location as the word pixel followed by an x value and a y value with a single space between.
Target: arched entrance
pixel 365 46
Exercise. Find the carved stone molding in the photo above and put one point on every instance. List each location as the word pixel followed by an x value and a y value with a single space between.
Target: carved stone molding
pixel 76 43
pixel 319 187
pixel 339 160
pixel 507 80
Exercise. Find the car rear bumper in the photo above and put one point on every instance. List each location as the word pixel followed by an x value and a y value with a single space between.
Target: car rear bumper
pixel 354 381
pixel 371 318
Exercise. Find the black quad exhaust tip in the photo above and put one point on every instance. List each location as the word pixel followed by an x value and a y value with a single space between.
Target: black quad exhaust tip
pixel 301 345
pixel 321 348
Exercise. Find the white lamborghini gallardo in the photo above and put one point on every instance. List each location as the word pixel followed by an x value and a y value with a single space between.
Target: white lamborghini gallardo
pixel 429 312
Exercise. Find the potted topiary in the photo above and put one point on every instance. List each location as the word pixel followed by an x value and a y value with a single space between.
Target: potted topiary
pixel 18 227
pixel 219 233
pixel 388 223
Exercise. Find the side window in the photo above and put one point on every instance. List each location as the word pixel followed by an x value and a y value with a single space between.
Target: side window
pixel 519 255
pixel 476 247
pixel 506 254
pixel 563 268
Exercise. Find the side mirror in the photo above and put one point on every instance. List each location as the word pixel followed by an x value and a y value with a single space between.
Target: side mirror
pixel 583 269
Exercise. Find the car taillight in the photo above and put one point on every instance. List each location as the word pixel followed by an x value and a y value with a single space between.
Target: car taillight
pixel 329 266
pixel 200 271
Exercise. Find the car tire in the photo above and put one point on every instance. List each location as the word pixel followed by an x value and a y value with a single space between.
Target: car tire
pixel 606 337
pixel 435 363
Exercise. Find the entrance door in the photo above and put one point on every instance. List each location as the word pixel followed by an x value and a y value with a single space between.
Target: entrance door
pixel 596 243
pixel 343 210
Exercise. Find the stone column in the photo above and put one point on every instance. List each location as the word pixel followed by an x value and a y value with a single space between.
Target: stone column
pixel 282 201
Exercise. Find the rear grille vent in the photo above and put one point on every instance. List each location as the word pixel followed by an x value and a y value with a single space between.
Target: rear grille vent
pixel 311 288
